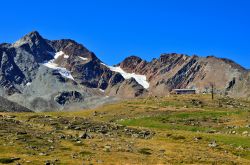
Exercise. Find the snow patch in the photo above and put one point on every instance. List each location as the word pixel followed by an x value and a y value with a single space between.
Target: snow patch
pixel 85 59
pixel 102 90
pixel 66 56
pixel 58 54
pixel 28 84
pixel 141 79
pixel 63 71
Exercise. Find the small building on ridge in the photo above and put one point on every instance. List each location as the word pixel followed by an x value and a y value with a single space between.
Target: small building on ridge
pixel 183 91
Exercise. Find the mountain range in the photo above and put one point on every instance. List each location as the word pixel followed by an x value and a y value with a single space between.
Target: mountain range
pixel 54 75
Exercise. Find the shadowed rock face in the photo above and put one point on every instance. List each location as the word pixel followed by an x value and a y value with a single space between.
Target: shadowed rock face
pixel 9 106
pixel 68 97
pixel 20 61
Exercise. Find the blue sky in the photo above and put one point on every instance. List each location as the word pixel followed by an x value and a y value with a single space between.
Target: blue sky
pixel 115 29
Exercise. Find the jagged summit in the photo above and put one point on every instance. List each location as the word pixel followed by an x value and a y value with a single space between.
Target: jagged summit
pixel 30 38
pixel 130 63
pixel 33 34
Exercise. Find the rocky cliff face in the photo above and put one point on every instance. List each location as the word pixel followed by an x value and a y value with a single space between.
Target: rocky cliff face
pixel 44 75
pixel 172 71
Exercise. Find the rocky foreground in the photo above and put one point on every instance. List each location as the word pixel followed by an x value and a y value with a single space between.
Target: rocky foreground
pixel 170 130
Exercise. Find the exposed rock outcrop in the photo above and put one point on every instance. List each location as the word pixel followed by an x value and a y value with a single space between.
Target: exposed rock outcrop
pixel 182 71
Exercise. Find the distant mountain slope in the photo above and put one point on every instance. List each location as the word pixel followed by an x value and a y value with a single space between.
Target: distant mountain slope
pixel 241 87
pixel 9 106
pixel 172 71
pixel 35 72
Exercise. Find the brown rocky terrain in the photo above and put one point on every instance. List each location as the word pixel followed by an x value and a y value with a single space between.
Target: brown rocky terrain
pixel 172 71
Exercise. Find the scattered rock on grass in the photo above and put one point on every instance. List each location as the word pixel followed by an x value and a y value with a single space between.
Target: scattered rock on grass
pixel 213 144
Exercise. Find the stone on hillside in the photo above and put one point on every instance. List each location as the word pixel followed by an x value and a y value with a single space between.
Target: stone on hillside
pixel 42 154
pixel 245 133
pixel 47 162
pixel 107 148
pixel 84 135
pixel 213 144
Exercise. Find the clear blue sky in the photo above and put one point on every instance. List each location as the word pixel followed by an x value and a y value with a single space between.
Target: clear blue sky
pixel 114 29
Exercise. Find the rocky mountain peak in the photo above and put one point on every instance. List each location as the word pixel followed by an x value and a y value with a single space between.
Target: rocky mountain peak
pixel 34 35
pixel 172 55
pixel 130 63
pixel 32 38
pixel 72 48
pixel 133 58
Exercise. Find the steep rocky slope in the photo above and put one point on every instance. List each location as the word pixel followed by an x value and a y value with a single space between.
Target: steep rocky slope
pixel 48 75
pixel 9 106
pixel 172 71
pixel 241 87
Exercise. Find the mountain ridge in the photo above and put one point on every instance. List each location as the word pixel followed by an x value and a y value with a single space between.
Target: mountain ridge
pixel 47 74
pixel 167 63
pixel 33 59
